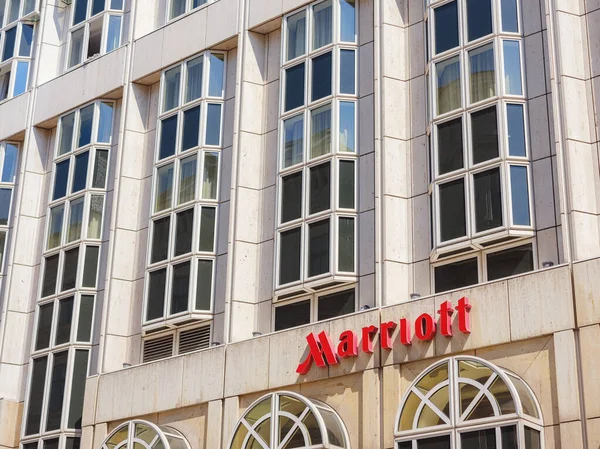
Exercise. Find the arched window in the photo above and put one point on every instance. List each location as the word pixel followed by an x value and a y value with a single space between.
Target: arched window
pixel 144 435
pixel 468 403
pixel 287 420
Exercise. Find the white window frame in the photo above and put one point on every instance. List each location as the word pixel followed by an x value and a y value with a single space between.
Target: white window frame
pixel 189 8
pixel 6 229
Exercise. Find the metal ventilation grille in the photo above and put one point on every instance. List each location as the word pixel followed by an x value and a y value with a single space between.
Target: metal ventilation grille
pixel 158 348
pixel 194 339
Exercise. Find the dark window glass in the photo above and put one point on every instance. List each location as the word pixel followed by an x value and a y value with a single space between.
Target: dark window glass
pixel 30 445
pixel 168 137
pixel 36 395
pixel 321 76
pixel 294 87
pixel 488 200
pixel 81 169
pixel 204 285
pixel 65 318
pixel 184 232
pixel 160 239
pixel 86 314
pixel 207 229
pixel 532 439
pixel 60 180
pixel 181 288
pixel 72 443
pixel 480 439
pixel 318 248
pixel 156 294
pixel 67 124
pixel 90 266
pixel 70 269
pixel 405 445
pixel 320 188
pixel 100 169
pixel 446 27
pixel 520 195
pixel 510 19
pixel 86 119
pixel 291 197
pixel 26 40
pixel 510 262
pixel 435 443
pixel 485 134
pixel 456 275
pixel 9 43
pixel 347 72
pixel 5 197
pixel 346 244
pixel 97 7
pixel 509 437
pixel 191 128
pixel 57 390
pixel 80 11
pixel 50 444
pixel 452 210
pixel 347 184
pixel 292 315
pixel 80 366
pixel 50 273
pixel 479 18
pixel 450 146
pixel 213 124
pixel 289 264
pixel 516 130
pixel 337 304
pixel 44 326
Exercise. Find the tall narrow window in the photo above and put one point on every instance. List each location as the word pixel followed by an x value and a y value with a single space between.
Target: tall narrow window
pixel 9 157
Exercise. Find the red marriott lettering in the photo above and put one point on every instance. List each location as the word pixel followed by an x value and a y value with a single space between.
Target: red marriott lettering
pixel 323 352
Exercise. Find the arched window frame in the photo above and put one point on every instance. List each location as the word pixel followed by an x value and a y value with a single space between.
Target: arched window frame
pixel 166 435
pixel 455 424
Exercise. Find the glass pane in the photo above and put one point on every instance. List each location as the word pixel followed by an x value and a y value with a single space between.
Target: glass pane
pixel 509 437
pixel 346 245
pixel 180 290
pixel 347 71
pixel 213 124
pixel 86 314
pixel 484 125
pixel 44 326
pixel 348 22
pixel 483 409
pixel 204 285
pixel 296 35
pixel 70 269
pixel 291 197
pixel 446 27
pixel 450 146
pixel 435 443
pixel 405 445
pixel 116 4
pixel 482 73
pixel 479 18
pixel 456 275
pixel 194 79
pixel 184 231
pixel 97 6
pixel 168 137
pixel 14 7
pixel 217 70
pixel 90 267
pixel 347 186
pixel 66 133
pixel 512 68
pixel 408 412
pixel 432 379
pixel 516 130
pixel 156 294
pixel 160 239
pixel 100 169
pixel 36 395
pixel 453 223
pixel 164 188
pixel 347 127
pixel 5 199
pixel 187 180
pixel 292 315
pixel 488 200
pixel 503 396
pixel 76 47
pixel 86 120
pixel 211 176
pixel 80 368
pixel 480 439
pixel 95 218
pixel 321 76
pixel 441 399
pixel 10 37
pixel 105 122
pixel 2 8
pixel 207 229
pixel 2 247
pixel 81 170
pixel 177 8
pixel 320 141
pixel 75 220
pixel 428 418
pixel 57 391
pixel 289 263
pixel 337 304
pixel 520 196
pixel 26 40
pixel 293 140
pixel 475 371
pixel 65 318
pixel 50 443
pixel 4 81
pixel 294 87
pixel 171 88
pixel 448 85
pixel 318 248
pixel 61 178
pixel 50 273
pixel 532 439
pixel 9 162
pixel 510 262
pixel 510 19
pixel 323 24
pixel 95 37
pixel 80 11
pixel 113 37
pixel 320 188
pixel 21 78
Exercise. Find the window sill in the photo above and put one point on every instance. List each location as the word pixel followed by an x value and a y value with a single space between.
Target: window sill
pixel 175 322
pixel 313 286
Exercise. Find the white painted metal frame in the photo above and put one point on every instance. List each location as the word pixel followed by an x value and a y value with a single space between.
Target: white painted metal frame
pixel 189 8
pixel 162 435
pixel 5 229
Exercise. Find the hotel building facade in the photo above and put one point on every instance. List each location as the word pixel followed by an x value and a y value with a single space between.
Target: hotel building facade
pixel 281 224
